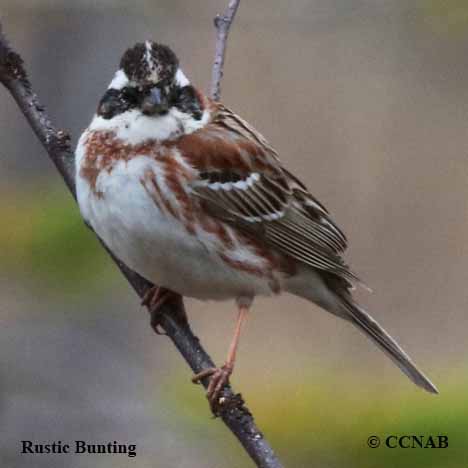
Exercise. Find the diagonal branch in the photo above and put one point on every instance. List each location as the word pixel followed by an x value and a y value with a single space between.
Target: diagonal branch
pixel 223 25
pixel 56 142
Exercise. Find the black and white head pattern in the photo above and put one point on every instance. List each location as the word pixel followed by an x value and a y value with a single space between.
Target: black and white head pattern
pixel 149 79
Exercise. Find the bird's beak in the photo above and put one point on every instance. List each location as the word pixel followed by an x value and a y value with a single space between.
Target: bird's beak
pixel 155 102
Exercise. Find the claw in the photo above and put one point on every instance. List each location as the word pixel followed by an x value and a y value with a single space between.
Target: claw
pixel 219 378
pixel 197 378
pixel 153 299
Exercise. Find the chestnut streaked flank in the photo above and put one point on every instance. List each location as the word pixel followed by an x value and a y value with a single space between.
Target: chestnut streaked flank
pixel 238 419
pixel 194 199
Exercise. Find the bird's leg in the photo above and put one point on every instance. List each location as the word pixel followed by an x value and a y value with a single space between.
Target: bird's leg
pixel 154 299
pixel 219 376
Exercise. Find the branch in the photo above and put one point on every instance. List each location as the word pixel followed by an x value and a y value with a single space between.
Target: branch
pixel 223 25
pixel 56 142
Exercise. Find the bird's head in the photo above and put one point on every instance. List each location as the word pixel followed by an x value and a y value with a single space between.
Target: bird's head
pixel 150 85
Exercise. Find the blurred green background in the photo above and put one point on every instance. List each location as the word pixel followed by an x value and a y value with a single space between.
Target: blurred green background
pixel 368 102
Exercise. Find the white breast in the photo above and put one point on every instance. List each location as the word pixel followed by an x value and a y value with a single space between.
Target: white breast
pixel 149 241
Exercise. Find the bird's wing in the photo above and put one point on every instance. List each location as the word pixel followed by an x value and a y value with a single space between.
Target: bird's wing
pixel 242 182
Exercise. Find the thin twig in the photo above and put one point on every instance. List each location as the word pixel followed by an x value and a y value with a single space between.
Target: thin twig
pixel 57 144
pixel 223 25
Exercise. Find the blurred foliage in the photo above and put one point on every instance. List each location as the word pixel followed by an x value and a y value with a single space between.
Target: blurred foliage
pixel 44 239
pixel 448 17
pixel 318 422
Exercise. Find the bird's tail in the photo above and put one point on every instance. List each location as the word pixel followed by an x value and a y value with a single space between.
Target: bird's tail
pixel 364 322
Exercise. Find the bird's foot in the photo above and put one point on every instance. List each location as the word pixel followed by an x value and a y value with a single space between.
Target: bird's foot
pixel 154 299
pixel 219 378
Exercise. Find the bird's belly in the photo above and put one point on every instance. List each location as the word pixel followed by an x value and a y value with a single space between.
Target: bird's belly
pixel 156 245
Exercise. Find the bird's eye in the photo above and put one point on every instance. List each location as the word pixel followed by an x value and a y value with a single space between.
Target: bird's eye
pixel 114 102
pixel 109 104
pixel 188 102
pixel 130 94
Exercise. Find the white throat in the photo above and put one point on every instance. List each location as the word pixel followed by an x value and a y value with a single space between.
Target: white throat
pixel 135 127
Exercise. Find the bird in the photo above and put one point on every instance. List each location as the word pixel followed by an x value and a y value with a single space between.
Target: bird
pixel 194 199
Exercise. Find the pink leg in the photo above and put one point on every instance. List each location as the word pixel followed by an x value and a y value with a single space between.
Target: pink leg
pixel 219 376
